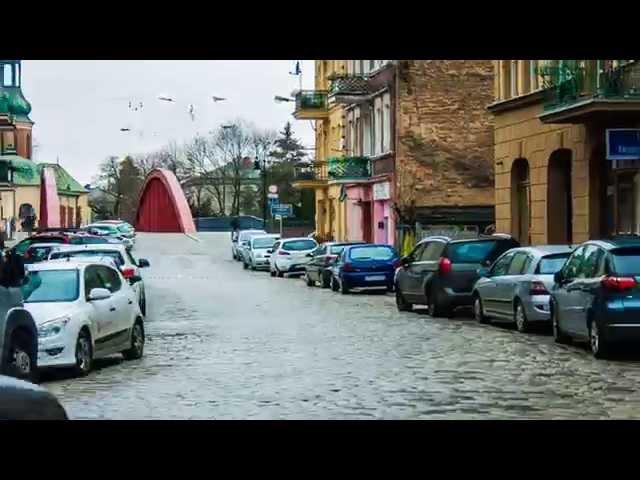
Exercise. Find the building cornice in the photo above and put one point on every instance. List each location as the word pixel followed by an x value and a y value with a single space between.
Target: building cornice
pixel 517 102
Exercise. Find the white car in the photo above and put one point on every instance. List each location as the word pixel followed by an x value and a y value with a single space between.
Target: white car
pixel 129 266
pixel 111 230
pixel 83 310
pixel 258 252
pixel 290 255
pixel 243 241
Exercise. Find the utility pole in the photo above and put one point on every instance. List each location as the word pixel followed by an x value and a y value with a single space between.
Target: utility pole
pixel 262 166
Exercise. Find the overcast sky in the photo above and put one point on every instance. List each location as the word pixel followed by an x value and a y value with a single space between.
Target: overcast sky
pixel 79 106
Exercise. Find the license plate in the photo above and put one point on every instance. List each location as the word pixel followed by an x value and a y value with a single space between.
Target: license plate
pixel 374 278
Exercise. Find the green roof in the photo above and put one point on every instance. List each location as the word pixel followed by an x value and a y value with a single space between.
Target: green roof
pixel 27 173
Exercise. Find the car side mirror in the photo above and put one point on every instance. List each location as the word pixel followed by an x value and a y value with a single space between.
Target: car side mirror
pixel 143 263
pixel 99 294
pixel 135 279
pixel 557 277
pixel 484 272
pixel 270 251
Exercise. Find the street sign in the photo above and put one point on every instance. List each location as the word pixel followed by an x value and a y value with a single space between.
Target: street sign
pixel 282 209
pixel 623 143
pixel 273 189
pixel 272 195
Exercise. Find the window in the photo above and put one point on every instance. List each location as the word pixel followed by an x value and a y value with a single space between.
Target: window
pixel 513 76
pixel 417 252
pixel 366 133
pixel 321 250
pixel 91 280
pixel 591 263
pixel 265 242
pixel 372 65
pixel 502 265
pixel 517 264
pixel 386 123
pixel 433 251
pixel 16 68
pixel 50 286
pixel 377 137
pixel 357 148
pixel 299 245
pixel 552 263
pixel 471 252
pixel 6 75
pixel 372 253
pixel 110 278
pixel 533 75
pixel 571 268
pixel 626 261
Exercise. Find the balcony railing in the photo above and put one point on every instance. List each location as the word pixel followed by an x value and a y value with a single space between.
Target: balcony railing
pixel 349 168
pixel 314 172
pixel 571 82
pixel 349 88
pixel 311 104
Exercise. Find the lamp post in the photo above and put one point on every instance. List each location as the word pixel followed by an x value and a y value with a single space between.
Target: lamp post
pixel 262 166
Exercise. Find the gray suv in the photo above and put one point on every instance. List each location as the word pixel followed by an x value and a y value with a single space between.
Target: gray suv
pixel 18 331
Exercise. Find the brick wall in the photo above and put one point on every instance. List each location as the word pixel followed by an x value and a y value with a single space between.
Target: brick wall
pixel 444 144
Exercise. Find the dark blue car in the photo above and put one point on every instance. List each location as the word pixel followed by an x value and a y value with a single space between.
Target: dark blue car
pixel 365 266
pixel 596 295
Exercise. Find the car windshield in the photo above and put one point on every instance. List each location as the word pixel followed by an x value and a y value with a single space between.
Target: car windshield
pixel 626 261
pixel 372 253
pixel 263 242
pixel 247 234
pixel 298 245
pixel 105 229
pixel 86 240
pixel 124 228
pixel 22 247
pixel 50 286
pixel 90 253
pixel 552 263
pixel 471 252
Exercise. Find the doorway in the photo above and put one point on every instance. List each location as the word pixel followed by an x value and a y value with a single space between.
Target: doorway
pixel 559 198
pixel 366 222
pixel 520 201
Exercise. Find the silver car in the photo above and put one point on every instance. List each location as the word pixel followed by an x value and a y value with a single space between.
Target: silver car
pixel 516 287
pixel 257 254
pixel 243 241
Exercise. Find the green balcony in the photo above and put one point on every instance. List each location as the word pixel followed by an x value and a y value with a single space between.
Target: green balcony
pixel 349 168
pixel 576 91
pixel 311 105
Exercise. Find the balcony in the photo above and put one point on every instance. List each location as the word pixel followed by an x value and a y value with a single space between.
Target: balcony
pixel 580 93
pixel 348 168
pixel 311 105
pixel 347 89
pixel 310 176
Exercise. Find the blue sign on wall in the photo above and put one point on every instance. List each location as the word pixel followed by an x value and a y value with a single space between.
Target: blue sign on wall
pixel 623 143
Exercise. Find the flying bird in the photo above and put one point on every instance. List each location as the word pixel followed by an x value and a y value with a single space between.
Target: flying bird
pixel 218 99
pixel 192 112
pixel 165 99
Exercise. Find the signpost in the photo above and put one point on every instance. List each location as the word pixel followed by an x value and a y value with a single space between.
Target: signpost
pixel 282 209
pixel 623 143
pixel 279 217
pixel 273 189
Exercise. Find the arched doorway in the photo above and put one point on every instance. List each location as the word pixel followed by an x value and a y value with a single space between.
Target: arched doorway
pixel 520 201
pixel 559 198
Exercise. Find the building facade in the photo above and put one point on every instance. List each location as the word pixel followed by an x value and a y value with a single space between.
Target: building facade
pixel 20 176
pixel 558 123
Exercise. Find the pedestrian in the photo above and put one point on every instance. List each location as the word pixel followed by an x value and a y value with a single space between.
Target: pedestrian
pixel 13 226
pixel 3 232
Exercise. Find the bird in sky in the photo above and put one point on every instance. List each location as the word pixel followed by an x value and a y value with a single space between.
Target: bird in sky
pixel 165 98
pixel 192 112
pixel 125 129
pixel 218 99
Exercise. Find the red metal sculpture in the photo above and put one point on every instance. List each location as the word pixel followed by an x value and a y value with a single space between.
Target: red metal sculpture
pixel 162 206
pixel 49 201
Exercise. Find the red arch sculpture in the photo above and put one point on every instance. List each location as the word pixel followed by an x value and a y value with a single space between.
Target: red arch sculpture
pixel 162 206
pixel 49 201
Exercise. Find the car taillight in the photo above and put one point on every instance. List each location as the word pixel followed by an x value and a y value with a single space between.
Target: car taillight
pixel 538 288
pixel 619 283
pixel 348 267
pixel 128 272
pixel 282 252
pixel 444 266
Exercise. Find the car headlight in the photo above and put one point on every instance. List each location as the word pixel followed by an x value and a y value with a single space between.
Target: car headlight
pixel 53 327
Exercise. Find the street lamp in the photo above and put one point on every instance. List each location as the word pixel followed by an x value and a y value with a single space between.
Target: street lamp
pixel 279 99
pixel 262 166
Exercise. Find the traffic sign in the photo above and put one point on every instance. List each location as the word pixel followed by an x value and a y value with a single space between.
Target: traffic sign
pixel 272 195
pixel 282 209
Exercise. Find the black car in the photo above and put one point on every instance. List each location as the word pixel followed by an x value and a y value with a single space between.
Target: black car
pixel 441 272
pixel 20 400
pixel 596 295
pixel 319 268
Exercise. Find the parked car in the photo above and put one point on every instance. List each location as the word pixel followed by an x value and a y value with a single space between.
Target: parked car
pixel 243 237
pixel 83 310
pixel 363 267
pixel 290 255
pixel 441 272
pixel 18 332
pixel 244 247
pixel 596 295
pixel 38 252
pixel 516 288
pixel 20 400
pixel 110 230
pixel 125 229
pixel 258 252
pixel 46 237
pixel 123 260
pixel 319 267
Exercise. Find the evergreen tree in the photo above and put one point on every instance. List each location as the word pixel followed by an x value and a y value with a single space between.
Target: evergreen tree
pixel 288 148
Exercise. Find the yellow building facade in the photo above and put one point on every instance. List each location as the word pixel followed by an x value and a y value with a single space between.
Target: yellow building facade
pixel 555 181
pixel 331 221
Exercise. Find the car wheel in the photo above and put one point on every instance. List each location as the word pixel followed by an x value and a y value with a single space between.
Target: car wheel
pixel 310 283
pixel 244 265
pixel 143 304
pixel 272 273
pixel 435 307
pixel 326 281
pixel 520 318
pixel 84 354
pixel 401 303
pixel 22 358
pixel 279 273
pixel 478 311
pixel 253 266
pixel 335 286
pixel 344 287
pixel 558 335
pixel 600 347
pixel 135 351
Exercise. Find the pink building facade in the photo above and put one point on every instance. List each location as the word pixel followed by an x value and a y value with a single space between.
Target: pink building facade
pixel 370 215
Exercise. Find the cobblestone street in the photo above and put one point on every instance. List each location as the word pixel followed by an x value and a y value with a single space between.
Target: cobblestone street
pixel 225 343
